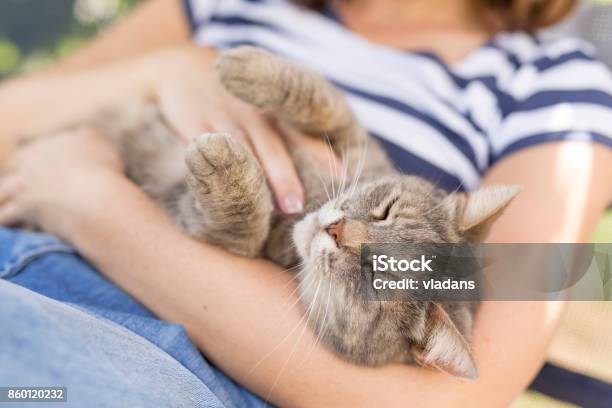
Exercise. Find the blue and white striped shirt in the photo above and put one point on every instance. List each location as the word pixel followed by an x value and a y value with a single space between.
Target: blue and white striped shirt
pixel 447 123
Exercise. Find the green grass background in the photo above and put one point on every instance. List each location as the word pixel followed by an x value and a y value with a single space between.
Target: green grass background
pixel 603 232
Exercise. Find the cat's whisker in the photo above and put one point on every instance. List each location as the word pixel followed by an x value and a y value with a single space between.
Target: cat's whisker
pixel 323 326
pixel 331 163
pixel 320 176
pixel 304 319
pixel 356 172
pixel 295 275
pixel 441 203
pixel 296 266
pixel 344 160
pixel 314 301
pixel 301 295
pixel 293 350
pixel 288 248
pixel 360 164
pixel 311 308
pixel 329 155
pixel 296 278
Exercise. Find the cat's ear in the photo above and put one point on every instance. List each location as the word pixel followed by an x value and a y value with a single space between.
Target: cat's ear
pixel 443 347
pixel 478 210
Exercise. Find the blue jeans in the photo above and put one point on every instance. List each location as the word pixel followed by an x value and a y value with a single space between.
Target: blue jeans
pixel 63 324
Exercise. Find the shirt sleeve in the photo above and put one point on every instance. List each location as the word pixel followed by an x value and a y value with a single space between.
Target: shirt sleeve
pixel 563 95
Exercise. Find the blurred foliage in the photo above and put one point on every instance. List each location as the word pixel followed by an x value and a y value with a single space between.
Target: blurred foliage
pixel 35 32
pixel 603 231
pixel 9 56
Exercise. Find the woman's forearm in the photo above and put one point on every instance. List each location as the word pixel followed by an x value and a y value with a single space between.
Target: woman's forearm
pixel 90 77
pixel 230 306
pixel 45 102
pixel 242 314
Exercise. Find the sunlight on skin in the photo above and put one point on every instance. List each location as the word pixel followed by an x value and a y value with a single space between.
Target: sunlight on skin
pixel 495 332
pixel 558 204
pixel 578 156
pixel 565 191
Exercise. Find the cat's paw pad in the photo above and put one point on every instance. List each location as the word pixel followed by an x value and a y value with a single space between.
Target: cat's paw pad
pixel 213 154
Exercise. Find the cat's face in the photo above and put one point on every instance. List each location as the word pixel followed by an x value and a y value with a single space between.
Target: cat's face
pixel 395 209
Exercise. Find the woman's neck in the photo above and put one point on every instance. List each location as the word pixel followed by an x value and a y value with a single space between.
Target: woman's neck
pixel 455 14
pixel 449 28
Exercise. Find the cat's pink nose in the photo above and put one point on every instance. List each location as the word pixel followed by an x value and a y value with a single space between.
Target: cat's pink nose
pixel 335 230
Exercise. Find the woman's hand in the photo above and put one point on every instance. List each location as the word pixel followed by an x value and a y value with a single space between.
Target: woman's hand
pixel 182 80
pixel 193 102
pixel 51 179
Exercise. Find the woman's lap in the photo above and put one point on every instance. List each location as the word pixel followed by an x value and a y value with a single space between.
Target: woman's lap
pixel 79 339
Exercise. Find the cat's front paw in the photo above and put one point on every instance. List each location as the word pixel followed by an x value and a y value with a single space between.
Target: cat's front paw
pixel 253 75
pixel 214 157
pixel 218 164
pixel 228 187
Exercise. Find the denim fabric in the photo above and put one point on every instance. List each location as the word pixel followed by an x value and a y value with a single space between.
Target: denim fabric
pixel 63 324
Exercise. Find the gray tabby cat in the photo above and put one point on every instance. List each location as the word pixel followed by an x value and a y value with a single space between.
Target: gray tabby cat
pixel 217 193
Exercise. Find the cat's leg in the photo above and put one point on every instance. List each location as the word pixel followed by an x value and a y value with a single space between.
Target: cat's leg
pixel 229 202
pixel 290 92
pixel 305 100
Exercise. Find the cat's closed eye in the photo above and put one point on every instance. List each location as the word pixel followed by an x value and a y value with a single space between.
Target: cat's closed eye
pixel 382 212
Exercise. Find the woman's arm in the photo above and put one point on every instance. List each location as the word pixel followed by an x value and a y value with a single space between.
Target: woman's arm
pixel 91 77
pixel 566 187
pixel 242 313
pixel 152 25
pixel 127 62
pixel 40 104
